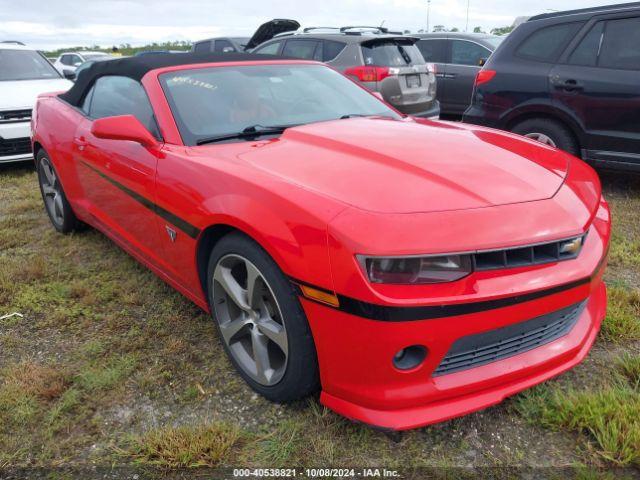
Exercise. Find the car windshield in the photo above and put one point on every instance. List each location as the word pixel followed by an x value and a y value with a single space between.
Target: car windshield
pixel 391 53
pixel 25 65
pixel 220 101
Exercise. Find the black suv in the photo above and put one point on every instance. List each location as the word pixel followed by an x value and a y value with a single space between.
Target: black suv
pixel 571 80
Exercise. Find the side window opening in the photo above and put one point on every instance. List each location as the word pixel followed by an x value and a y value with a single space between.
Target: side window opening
pixel 467 53
pixel 304 49
pixel 434 51
pixel 586 53
pixel 271 49
pixel 620 44
pixel 546 44
pixel 202 47
pixel 114 95
pixel 331 50
pixel 86 103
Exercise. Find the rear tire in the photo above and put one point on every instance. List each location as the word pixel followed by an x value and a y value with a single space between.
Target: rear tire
pixel 261 323
pixel 55 201
pixel 550 132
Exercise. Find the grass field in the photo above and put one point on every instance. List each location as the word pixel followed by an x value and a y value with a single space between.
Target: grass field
pixel 109 366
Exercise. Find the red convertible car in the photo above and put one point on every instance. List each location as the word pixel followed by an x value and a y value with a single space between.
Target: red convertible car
pixel 411 270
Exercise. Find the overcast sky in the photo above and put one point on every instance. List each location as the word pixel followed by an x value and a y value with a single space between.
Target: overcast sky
pixel 49 24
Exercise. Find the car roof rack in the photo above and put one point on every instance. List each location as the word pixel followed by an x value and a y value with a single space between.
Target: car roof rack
pixel 311 29
pixel 360 29
pixel 13 42
pixel 604 8
pixel 285 34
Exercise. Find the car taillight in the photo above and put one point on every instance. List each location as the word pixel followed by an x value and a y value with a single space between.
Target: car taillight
pixel 432 68
pixel 371 74
pixel 485 76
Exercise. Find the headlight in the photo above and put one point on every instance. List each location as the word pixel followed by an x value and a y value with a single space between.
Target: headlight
pixel 416 270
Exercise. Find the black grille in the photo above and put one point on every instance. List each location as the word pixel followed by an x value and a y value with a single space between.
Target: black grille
pixel 15 116
pixel 475 350
pixel 525 256
pixel 15 146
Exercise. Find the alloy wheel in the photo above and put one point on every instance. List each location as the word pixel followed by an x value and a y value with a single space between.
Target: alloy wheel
pixel 250 319
pixel 542 138
pixel 51 191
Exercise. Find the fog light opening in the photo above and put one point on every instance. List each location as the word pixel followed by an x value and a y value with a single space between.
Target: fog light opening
pixel 410 357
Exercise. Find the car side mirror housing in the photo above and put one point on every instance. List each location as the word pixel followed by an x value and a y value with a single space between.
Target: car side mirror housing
pixel 123 127
pixel 378 95
pixel 69 75
pixel 481 62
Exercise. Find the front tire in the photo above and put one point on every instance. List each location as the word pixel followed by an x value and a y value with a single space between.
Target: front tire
pixel 260 321
pixel 549 132
pixel 55 201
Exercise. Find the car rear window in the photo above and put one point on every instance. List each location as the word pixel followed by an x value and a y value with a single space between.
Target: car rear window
pixel 546 44
pixel 391 53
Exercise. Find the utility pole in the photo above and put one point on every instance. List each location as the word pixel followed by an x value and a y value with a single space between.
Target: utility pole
pixel 428 13
pixel 466 28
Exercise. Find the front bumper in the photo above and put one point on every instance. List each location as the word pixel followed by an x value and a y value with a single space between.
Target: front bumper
pixel 355 352
pixel 15 142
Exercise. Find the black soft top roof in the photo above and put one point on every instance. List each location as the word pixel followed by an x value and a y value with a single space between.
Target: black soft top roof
pixel 138 67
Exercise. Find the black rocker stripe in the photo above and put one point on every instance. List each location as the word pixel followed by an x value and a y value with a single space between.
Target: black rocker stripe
pixel 387 313
pixel 183 225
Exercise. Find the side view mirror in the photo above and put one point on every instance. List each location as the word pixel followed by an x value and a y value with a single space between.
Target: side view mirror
pixel 77 64
pixel 228 50
pixel 69 75
pixel 379 95
pixel 123 127
pixel 481 62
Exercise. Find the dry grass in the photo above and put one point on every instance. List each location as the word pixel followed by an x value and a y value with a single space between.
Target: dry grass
pixel 186 446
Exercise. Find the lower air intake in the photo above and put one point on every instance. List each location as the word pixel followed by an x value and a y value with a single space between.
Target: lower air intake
pixel 475 350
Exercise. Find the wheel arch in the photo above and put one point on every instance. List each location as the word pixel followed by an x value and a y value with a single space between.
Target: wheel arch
pixel 37 146
pixel 300 251
pixel 547 112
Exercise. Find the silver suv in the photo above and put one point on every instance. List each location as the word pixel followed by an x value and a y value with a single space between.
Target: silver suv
pixel 379 60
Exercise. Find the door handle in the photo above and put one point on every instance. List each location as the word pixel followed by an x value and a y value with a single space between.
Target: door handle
pixel 570 85
pixel 81 142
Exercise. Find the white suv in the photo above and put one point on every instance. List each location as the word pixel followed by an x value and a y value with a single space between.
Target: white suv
pixel 68 62
pixel 24 74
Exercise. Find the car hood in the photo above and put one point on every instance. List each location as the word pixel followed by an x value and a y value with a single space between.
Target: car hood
pixel 389 166
pixel 21 94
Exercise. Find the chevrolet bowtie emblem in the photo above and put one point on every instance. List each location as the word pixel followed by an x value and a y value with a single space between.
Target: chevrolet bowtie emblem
pixel 172 233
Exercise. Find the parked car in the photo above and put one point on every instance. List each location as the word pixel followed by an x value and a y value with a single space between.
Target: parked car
pixel 382 62
pixel 413 270
pixel 24 74
pixel 458 58
pixel 68 62
pixel 570 80
pixel 220 45
pixel 264 32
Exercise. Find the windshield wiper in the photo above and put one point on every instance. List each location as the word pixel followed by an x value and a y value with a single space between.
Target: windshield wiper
pixel 252 131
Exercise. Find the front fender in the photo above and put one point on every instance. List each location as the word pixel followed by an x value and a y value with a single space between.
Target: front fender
pixel 295 239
